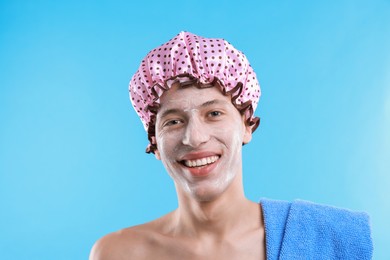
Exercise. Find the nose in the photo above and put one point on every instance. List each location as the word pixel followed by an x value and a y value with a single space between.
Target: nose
pixel 195 133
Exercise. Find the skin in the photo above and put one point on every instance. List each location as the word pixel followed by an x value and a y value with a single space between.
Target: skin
pixel 214 219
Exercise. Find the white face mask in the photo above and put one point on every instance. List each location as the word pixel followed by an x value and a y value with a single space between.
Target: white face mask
pixel 199 135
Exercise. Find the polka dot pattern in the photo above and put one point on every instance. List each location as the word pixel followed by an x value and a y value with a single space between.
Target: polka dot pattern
pixel 205 59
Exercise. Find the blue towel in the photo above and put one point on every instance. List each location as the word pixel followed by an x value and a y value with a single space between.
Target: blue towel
pixel 304 230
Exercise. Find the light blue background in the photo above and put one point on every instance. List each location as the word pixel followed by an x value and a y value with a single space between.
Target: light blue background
pixel 72 161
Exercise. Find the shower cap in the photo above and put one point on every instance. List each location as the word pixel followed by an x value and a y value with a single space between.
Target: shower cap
pixel 189 59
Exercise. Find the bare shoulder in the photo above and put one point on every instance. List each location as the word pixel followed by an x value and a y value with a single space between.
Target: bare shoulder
pixel 124 244
pixel 129 243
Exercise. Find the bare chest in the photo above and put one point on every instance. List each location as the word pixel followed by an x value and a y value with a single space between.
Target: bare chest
pixel 248 247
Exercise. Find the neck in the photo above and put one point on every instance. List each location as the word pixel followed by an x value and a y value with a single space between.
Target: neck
pixel 228 213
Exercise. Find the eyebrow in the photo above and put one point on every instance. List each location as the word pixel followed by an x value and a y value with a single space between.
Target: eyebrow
pixel 205 104
pixel 212 102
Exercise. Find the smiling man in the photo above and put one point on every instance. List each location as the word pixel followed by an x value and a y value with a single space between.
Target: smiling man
pixel 196 97
pixel 199 142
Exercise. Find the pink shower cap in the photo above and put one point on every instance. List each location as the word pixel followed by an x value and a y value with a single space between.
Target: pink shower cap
pixel 189 59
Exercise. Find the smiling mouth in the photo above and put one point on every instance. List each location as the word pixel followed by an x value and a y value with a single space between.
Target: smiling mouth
pixel 200 162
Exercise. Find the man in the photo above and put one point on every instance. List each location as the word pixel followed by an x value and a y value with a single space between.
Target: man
pixel 196 98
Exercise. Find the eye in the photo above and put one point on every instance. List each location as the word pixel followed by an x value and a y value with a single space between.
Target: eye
pixel 215 113
pixel 172 122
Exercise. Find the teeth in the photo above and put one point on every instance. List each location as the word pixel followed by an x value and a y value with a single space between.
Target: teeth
pixel 201 162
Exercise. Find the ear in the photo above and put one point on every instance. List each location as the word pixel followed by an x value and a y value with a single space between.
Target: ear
pixel 157 154
pixel 247 134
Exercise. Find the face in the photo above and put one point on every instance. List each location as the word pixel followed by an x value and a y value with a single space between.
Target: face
pixel 199 135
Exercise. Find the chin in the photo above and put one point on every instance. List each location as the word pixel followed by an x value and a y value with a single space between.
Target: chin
pixel 207 190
